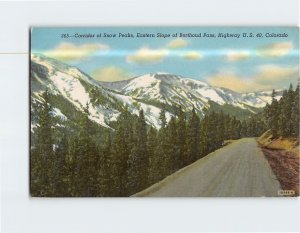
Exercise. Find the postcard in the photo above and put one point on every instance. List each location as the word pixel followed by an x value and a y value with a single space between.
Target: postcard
pixel 164 112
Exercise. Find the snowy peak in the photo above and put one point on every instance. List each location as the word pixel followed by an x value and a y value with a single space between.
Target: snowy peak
pixel 78 89
pixel 165 88
pixel 144 81
pixel 67 82
pixel 150 80
pixel 150 92
pixel 177 90
pixel 52 66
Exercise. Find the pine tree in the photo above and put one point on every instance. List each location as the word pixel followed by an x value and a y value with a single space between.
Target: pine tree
pixel 86 156
pixel 273 116
pixel 123 142
pixel 211 131
pixel 162 118
pixel 42 158
pixel 203 144
pixel 221 126
pixel 289 108
pixel 153 157
pixel 162 153
pixel 244 129
pixel 141 129
pixel 295 114
pixel 282 116
pixel 181 136
pixel 72 165
pixel 193 138
pixel 60 167
pixel 103 168
pixel 137 163
pixel 172 152
pixel 237 126
pixel 118 159
pixel 133 172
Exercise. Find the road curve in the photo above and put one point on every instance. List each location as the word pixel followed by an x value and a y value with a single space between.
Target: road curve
pixel 237 170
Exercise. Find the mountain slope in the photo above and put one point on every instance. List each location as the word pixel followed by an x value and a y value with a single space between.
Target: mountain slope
pixel 71 89
pixel 175 90
pixel 71 85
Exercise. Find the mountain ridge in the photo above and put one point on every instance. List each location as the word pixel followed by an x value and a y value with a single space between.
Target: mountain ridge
pixel 163 87
pixel 150 92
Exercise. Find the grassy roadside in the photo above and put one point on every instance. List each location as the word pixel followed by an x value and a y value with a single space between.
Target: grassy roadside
pixel 283 157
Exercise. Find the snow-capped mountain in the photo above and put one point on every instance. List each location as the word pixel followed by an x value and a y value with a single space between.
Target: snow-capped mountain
pixel 180 91
pixel 71 89
pixel 75 88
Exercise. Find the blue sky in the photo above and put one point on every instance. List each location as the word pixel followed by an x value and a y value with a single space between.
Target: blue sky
pixel 243 64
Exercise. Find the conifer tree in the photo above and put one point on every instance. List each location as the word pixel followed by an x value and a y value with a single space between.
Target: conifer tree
pixel 162 153
pixel 137 163
pixel 118 158
pixel 172 152
pixel 133 172
pixel 203 143
pixel 86 156
pixel 162 118
pixel 282 116
pixel 141 134
pixel 72 167
pixel 295 114
pixel 60 167
pixel 153 157
pixel 244 129
pixel 103 168
pixel 193 138
pixel 211 131
pixel 273 116
pixel 42 160
pixel 181 136
pixel 221 126
pixel 289 106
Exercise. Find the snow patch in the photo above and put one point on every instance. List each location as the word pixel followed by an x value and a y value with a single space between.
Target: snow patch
pixel 212 95
pixel 72 89
pixel 151 112
pixel 144 81
pixel 58 113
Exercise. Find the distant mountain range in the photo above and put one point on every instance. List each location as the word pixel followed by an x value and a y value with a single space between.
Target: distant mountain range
pixel 71 89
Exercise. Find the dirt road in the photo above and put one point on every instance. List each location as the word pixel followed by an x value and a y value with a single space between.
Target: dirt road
pixel 237 170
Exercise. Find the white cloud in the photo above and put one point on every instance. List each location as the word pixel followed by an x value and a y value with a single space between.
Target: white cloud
pixel 146 55
pixel 71 52
pixel 275 50
pixel 177 43
pixel 237 55
pixel 192 55
pixel 110 74
pixel 232 81
pixel 267 77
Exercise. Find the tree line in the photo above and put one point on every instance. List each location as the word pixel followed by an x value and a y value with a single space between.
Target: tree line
pixel 135 155
pixel 282 116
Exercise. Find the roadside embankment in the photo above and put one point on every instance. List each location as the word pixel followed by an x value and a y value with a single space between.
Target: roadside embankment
pixel 283 157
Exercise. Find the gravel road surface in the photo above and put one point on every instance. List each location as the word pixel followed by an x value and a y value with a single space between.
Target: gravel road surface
pixel 237 170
